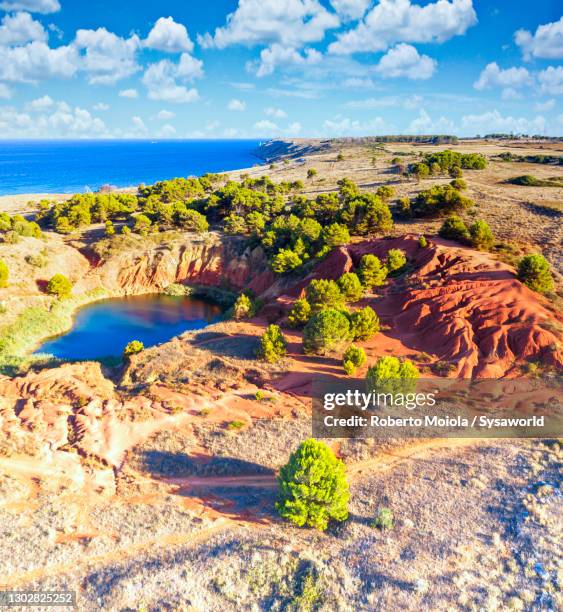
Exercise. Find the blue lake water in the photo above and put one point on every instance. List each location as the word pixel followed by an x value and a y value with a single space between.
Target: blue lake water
pixel 104 328
pixel 71 166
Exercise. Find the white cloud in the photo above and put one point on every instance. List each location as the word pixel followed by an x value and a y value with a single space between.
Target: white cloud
pixel 40 104
pixel 265 125
pixel 36 61
pixel 293 128
pixel 236 105
pixel 101 106
pixel 359 83
pixel 551 80
pixel 277 55
pixel 494 76
pixel 243 86
pixel 5 92
pixel 278 113
pixel 170 36
pixel 392 21
pixel 19 29
pixel 350 9
pixel 344 126
pixel 508 93
pixel 139 124
pixel 166 131
pixel 269 128
pixel 106 57
pixel 405 61
pixel 291 23
pixel 129 93
pixel 33 6
pixel 161 78
pixel 492 121
pixel 545 106
pixel 424 124
pixel 409 102
pixel 547 42
pixel 165 115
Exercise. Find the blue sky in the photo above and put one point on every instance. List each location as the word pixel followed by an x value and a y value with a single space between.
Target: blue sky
pixel 267 68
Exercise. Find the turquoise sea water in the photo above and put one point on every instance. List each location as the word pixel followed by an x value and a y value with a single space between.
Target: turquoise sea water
pixel 71 166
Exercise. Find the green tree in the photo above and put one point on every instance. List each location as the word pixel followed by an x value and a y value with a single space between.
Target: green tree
pixel 396 259
pixel 372 272
pixel 325 332
pixel 420 170
pixel 285 260
pixel 340 157
pixel 364 323
pixel 455 172
pixel 422 242
pixel 535 272
pixel 454 228
pixel 243 307
pixel 192 220
pixel 300 313
pixel 481 236
pixel 312 487
pixel 385 192
pixel 4 274
pixel 59 285
pixel 133 347
pixel 335 235
pixel 273 345
pixel 354 357
pixel 350 287
pixel 391 375
pixel 110 229
pixel 142 225
pixel 62 225
pixel 311 173
pixel 323 293
pixel 459 184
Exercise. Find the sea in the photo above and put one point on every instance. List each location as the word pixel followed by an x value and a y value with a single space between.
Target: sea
pixel 76 166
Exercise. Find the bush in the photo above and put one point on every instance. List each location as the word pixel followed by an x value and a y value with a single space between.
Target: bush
pixel 354 357
pixel 391 375
pixel 384 519
pixel 311 173
pixel 110 229
pixel 59 285
pixel 455 172
pixel 312 487
pixel 142 225
pixel 323 293
pixel 243 307
pixel 192 220
pixel 4 274
pixel 422 242
pixel 535 272
pixel 133 347
pixel 454 228
pixel 273 345
pixel 459 184
pixel 396 259
pixel 300 313
pixel 372 272
pixel 350 287
pixel 335 235
pixel 438 200
pixel 480 235
pixel 325 332
pixel 364 323
pixel 385 192
pixel 285 260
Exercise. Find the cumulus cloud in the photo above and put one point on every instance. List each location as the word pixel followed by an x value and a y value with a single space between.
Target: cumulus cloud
pixel 19 29
pixel 279 56
pixel 405 61
pixel 106 57
pixel 170 36
pixel 40 104
pixel 269 128
pixel 350 9
pixel 138 124
pixel 344 126
pixel 291 23
pixel 545 106
pixel 166 131
pixel 165 115
pixel 161 79
pixel 424 124
pixel 129 93
pixel 551 80
pixel 546 42
pixel 493 121
pixel 5 92
pixel 494 76
pixel 392 21
pixel 408 102
pixel 33 6
pixel 277 113
pixel 36 61
pixel 101 106
pixel 236 105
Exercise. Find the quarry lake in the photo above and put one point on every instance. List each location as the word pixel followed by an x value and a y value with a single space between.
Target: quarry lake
pixel 104 328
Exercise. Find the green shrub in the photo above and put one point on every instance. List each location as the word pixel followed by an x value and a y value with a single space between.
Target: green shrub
pixel 192 220
pixel 364 323
pixel 459 184
pixel 133 347
pixel 259 395
pixel 235 425
pixel 354 357
pixel 535 272
pixel 243 308
pixel 350 287
pixel 396 259
pixel 40 260
pixel 177 290
pixel 480 235
pixel 372 272
pixel 4 274
pixel 142 225
pixel 422 242
pixel 311 173
pixel 454 228
pixel 286 260
pixel 125 230
pixel 438 200
pixel 323 293
pixel 455 172
pixel 335 235
pixel 384 519
pixel 391 375
pixel 325 332
pixel 273 345
pixel 300 313
pixel 312 487
pixel 110 229
pixel 60 286
pixel 385 192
